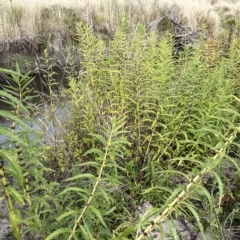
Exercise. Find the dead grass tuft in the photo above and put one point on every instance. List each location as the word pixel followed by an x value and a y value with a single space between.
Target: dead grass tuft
pixel 54 20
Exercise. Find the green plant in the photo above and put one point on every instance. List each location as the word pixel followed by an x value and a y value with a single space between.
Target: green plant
pixel 169 116
pixel 14 164
pixel 142 125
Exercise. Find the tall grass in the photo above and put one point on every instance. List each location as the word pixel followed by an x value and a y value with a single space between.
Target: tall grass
pixel 54 20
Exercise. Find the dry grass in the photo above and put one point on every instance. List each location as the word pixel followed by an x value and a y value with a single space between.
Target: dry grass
pixel 24 18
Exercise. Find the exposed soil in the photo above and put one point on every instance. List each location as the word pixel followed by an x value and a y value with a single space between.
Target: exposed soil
pixel 4 223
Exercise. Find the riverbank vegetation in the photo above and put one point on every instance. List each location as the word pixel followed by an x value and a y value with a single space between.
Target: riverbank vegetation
pixel 33 26
pixel 137 123
pixel 27 28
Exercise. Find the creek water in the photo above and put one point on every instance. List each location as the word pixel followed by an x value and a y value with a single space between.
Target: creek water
pixel 40 91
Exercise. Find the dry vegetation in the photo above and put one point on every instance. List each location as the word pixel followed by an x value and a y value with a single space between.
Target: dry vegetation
pixel 52 23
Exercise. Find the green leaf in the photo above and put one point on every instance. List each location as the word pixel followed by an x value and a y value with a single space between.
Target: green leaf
pixel 125 225
pixel 100 138
pixel 10 72
pixel 236 165
pixel 126 232
pixel 11 158
pixel 29 80
pixel 95 150
pixel 74 189
pixel 84 175
pixel 104 195
pixel 220 187
pixel 157 189
pixel 195 214
pixel 9 115
pixel 205 193
pixel 120 141
pixel 98 215
pixel 13 137
pixel 56 233
pixel 66 214
pixel 90 163
pixel 173 229
pixel 16 195
pixel 219 145
pixel 119 125
pixel 14 221
pixel 13 99
pixel 84 232
pixel 110 211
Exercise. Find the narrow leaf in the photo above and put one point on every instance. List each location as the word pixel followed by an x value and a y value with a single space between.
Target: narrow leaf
pixel 98 215
pixel 16 195
pixel 13 99
pixel 11 159
pixel 95 150
pixel 84 232
pixel 66 214
pixel 84 175
pixel 10 116
pixel 100 138
pixel 220 187
pixel 56 233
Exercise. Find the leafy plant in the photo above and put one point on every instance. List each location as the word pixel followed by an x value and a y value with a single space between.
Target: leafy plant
pixel 14 164
pixel 142 125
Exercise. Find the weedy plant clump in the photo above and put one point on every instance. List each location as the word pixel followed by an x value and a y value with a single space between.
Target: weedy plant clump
pixel 142 125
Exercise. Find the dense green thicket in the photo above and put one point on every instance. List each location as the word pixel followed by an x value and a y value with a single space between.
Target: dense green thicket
pixel 139 120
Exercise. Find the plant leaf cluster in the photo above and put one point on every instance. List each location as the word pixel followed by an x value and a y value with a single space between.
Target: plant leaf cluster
pixel 143 126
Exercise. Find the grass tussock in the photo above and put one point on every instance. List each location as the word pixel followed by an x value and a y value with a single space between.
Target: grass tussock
pixel 52 24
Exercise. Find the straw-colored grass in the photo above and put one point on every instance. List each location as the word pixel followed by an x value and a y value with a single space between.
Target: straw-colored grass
pixel 21 18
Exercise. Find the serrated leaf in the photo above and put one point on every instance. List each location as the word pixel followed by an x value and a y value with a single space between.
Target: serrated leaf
pixel 13 99
pixel 91 163
pixel 66 214
pixel 56 233
pixel 94 150
pixel 74 189
pixel 111 210
pixel 13 137
pixel 84 175
pixel 84 232
pixel 100 138
pixel 15 168
pixel 219 145
pixel 10 72
pixel 236 165
pixel 126 232
pixel 9 115
pixel 220 187
pixel 98 215
pixel 14 221
pixel 210 199
pixel 124 225
pixel 173 229
pixel 16 195
pixel 104 195
pixel 195 214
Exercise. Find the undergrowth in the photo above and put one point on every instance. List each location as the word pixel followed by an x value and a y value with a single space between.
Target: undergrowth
pixel 142 126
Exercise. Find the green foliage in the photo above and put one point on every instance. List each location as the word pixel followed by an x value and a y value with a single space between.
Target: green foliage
pixel 16 169
pixel 142 126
